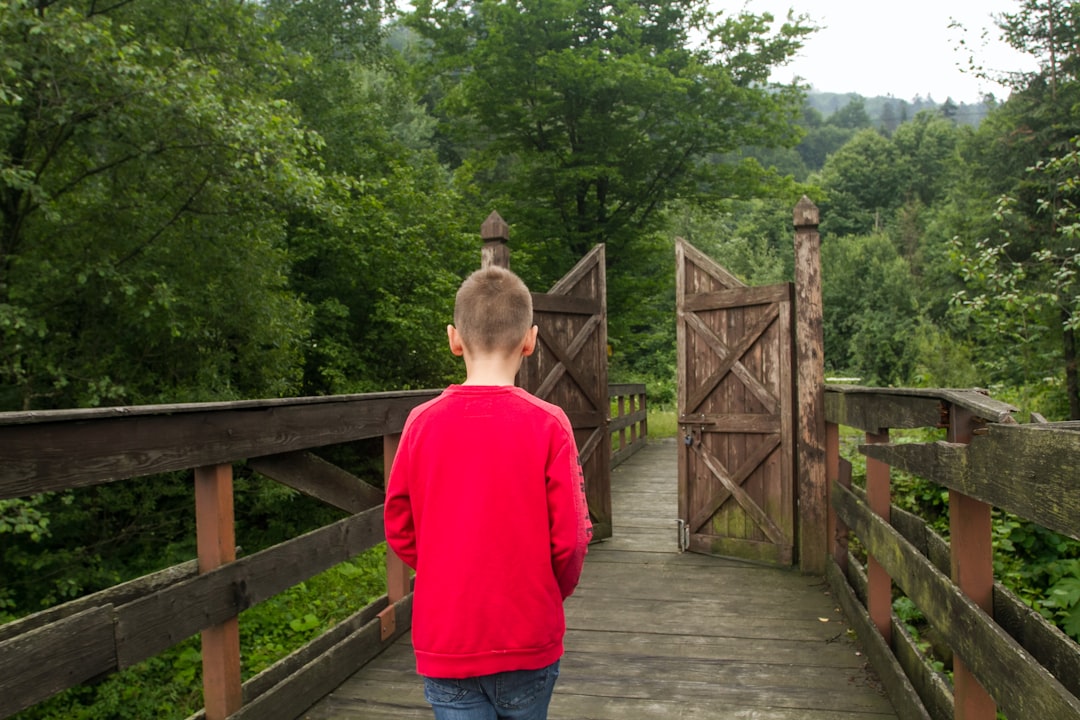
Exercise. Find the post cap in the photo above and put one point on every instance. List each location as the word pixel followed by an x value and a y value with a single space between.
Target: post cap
pixel 806 213
pixel 494 229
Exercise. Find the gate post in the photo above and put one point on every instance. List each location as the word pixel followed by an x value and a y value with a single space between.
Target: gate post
pixel 495 233
pixel 810 368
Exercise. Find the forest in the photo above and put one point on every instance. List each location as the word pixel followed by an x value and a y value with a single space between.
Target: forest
pixel 220 200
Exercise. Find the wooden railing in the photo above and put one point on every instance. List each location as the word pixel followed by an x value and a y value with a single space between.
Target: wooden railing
pixel 64 646
pixel 629 426
pixel 1006 656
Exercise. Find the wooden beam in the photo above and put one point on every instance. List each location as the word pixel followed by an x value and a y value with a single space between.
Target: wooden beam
pixel 52 451
pixel 319 479
pixel 972 569
pixel 216 540
pixel 899 688
pixel 737 297
pixel 1027 470
pixel 40 663
pixel 1023 688
pixel 879 499
pixel 810 383
pixel 495 235
pixel 159 621
pixel 397 572
pixel 566 304
pixel 318 678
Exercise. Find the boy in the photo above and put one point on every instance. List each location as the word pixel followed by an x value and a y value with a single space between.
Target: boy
pixel 486 502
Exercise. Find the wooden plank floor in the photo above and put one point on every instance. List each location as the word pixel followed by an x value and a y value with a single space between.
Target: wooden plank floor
pixel 655 634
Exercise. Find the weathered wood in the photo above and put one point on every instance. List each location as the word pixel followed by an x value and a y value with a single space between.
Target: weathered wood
pixel 625 421
pixel 972 570
pixel 566 304
pixel 308 684
pixel 159 621
pixel 1023 688
pixel 60 450
pixel 44 661
pixel 879 587
pixel 810 385
pixel 216 540
pixel 904 698
pixel 732 422
pixel 569 369
pixel 932 687
pixel 1027 470
pixel 737 297
pixel 736 464
pixel 617 389
pixel 319 479
pixel 1054 650
pixel 287 666
pixel 876 412
pixel 655 634
pixel 874 409
pixel 494 233
pixel 116 595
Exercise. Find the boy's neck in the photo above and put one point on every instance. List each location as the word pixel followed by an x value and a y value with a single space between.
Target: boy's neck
pixel 491 369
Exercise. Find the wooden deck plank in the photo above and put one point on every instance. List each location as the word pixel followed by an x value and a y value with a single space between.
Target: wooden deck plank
pixel 654 634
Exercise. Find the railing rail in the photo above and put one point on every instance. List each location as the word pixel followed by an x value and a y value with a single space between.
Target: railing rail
pixel 59 648
pixel 1005 655
pixel 64 646
pixel 630 423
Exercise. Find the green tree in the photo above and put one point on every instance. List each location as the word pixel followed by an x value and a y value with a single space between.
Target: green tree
pixel 1021 157
pixel 380 258
pixel 871 310
pixel 594 114
pixel 863 185
pixel 580 120
pixel 145 167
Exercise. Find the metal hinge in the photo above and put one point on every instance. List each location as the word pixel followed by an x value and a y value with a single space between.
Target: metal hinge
pixel 684 536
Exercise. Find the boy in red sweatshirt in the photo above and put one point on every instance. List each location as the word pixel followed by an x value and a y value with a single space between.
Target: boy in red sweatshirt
pixel 486 502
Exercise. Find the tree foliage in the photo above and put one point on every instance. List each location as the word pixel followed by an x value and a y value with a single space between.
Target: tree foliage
pixel 144 171
pixel 594 114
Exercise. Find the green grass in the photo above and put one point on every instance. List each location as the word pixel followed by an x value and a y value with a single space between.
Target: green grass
pixel 663 423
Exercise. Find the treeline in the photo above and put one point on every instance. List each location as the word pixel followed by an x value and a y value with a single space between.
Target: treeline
pixel 216 200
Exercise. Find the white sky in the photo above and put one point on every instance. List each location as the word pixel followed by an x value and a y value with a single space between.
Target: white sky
pixel 901 48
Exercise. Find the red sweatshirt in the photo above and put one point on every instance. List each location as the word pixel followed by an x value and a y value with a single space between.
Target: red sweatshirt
pixel 486 501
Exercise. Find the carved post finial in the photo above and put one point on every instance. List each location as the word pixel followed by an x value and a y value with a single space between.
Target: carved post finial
pixel 806 213
pixel 495 234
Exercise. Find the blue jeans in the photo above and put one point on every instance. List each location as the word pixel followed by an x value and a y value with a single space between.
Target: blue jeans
pixel 515 695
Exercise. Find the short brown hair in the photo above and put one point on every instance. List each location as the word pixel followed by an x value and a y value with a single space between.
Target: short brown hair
pixel 493 310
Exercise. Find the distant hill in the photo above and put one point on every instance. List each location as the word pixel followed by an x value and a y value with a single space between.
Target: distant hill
pixel 889 111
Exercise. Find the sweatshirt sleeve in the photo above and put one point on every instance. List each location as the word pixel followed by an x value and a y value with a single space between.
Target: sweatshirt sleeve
pixel 398 512
pixel 568 514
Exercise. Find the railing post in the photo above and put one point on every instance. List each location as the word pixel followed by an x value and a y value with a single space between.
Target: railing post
pixel 838 544
pixel 216 541
pixel 972 564
pixel 644 434
pixel 810 367
pixel 621 403
pixel 879 498
pixel 397 572
pixel 496 234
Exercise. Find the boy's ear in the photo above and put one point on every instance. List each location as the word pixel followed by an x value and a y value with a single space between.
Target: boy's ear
pixel 455 341
pixel 530 341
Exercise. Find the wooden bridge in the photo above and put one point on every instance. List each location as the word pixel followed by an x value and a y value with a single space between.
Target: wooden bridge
pixel 653 633
pixel 756 472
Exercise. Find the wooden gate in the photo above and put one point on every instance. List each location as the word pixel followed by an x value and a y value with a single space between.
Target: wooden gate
pixel 569 369
pixel 736 449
